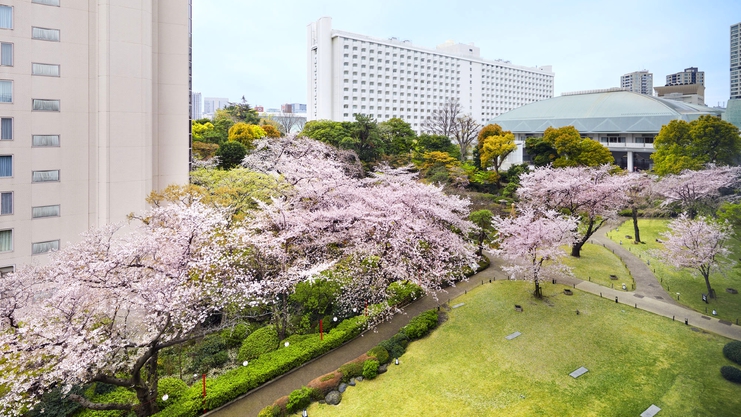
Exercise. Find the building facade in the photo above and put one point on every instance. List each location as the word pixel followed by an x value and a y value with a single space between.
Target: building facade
pixel 688 93
pixel 641 82
pixel 196 106
pixel 736 62
pixel 94 115
pixel 293 108
pixel 688 76
pixel 625 122
pixel 211 104
pixel 385 78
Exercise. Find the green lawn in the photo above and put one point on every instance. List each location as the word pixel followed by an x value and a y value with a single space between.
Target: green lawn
pixel 467 368
pixel 596 264
pixel 689 285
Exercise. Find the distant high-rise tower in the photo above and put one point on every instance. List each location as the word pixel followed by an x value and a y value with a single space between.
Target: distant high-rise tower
pixel 197 106
pixel 688 76
pixel 735 63
pixel 638 82
pixel 211 104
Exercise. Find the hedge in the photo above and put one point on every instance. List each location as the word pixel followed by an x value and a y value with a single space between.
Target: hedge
pixel 731 373
pixel 380 353
pixel 370 369
pixel 301 398
pixel 262 340
pixel 732 351
pixel 236 382
pixel 419 326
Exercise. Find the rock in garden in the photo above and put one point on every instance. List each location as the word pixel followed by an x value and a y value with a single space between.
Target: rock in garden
pixel 342 387
pixel 333 398
pixel 359 378
pixel 352 382
pixel 383 368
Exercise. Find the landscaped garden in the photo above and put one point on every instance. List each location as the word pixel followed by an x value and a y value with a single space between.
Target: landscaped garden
pixel 467 367
pixel 597 264
pixel 688 284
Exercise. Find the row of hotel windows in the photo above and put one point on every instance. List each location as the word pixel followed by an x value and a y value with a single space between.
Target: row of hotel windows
pixel 37 248
pixel 6 12
pixel 6 207
pixel 6 171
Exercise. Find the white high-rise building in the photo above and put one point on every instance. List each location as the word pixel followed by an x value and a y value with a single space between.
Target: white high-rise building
pixel 641 82
pixel 687 77
pixel 94 109
pixel 211 104
pixel 736 61
pixel 196 106
pixel 350 73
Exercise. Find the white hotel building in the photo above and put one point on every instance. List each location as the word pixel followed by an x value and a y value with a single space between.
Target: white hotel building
pixel 350 73
pixel 94 113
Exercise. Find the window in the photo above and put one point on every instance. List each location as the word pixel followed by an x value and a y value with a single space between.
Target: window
pixel 6 91
pixel 48 70
pixel 6 203
pixel 44 247
pixel 6 128
pixel 45 34
pixel 46 2
pixel 40 141
pixel 6 240
pixel 6 165
pixel 6 17
pixel 45 105
pixel 6 54
pixel 45 211
pixel 5 270
pixel 45 176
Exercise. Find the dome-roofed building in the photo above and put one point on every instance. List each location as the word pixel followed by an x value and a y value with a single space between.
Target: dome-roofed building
pixel 624 121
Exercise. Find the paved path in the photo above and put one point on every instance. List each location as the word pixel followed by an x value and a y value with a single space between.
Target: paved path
pixel 646 297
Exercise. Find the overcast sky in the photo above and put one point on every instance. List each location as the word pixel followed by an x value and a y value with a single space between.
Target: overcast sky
pixel 258 48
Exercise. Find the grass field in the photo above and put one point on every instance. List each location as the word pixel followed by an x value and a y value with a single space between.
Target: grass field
pixel 689 285
pixel 596 264
pixel 467 368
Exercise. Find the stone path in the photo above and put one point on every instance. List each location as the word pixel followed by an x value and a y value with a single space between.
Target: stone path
pixel 648 296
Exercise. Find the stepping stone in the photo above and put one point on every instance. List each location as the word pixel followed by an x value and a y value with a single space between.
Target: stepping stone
pixel 512 336
pixel 650 411
pixel 579 372
pixel 459 305
pixel 727 323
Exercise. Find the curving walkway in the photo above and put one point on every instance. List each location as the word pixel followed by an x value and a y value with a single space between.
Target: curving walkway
pixel 648 296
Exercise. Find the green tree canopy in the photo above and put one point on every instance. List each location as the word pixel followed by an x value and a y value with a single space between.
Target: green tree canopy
pixel 231 154
pixel 245 133
pixel 681 145
pixel 327 131
pixel 242 112
pixel 437 143
pixel 397 135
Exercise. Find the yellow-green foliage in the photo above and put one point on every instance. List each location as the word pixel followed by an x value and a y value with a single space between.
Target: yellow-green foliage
pixel 246 134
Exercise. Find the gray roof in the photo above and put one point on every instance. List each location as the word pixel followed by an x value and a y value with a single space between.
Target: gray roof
pixel 601 112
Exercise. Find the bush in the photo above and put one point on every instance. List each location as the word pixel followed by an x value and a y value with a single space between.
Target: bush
pixel 231 154
pixel 209 353
pixel 396 346
pixel 732 351
pixel 300 399
pixel 402 292
pixel 234 336
pixel 173 387
pixel 351 370
pixel 419 326
pixel 118 395
pixel 731 373
pixel 262 340
pixel 370 369
pixel 380 353
pixel 269 411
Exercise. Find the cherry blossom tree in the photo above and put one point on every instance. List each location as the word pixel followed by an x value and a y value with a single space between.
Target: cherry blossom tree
pixel 693 190
pixel 592 195
pixel 103 309
pixel 697 244
pixel 638 192
pixel 531 242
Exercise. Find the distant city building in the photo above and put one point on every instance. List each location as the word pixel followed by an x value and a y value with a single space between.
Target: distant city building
pixel 293 108
pixel 688 93
pixel 735 63
pixel 274 111
pixel 259 109
pixel 211 104
pixel 688 76
pixel 641 82
pixel 625 122
pixel 196 109
pixel 384 78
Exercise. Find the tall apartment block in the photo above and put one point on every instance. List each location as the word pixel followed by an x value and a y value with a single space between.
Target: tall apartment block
pixel 384 78
pixel 735 63
pixel 196 106
pixel 688 76
pixel 641 82
pixel 94 114
pixel 211 104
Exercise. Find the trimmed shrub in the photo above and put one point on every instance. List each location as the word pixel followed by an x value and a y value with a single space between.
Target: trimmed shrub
pixel 732 351
pixel 380 353
pixel 370 369
pixel 209 353
pixel 351 370
pixel 396 346
pixel 234 336
pixel 173 387
pixel 419 326
pixel 262 340
pixel 301 398
pixel 403 292
pixel 731 373
pixel 269 411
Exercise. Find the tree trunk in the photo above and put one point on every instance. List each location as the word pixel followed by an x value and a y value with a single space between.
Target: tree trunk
pixel 711 292
pixel 636 232
pixel 538 293
pixel 576 249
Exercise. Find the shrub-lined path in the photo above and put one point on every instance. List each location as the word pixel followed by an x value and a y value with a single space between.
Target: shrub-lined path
pixel 648 295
